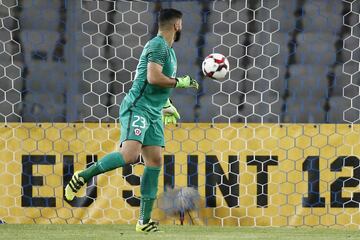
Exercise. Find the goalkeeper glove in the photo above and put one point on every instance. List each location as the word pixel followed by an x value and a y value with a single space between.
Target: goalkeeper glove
pixel 186 82
pixel 170 114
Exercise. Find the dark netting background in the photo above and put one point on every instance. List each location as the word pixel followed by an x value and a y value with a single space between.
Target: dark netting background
pixel 291 61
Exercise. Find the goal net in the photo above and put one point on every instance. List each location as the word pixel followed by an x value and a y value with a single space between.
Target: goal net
pixel 276 143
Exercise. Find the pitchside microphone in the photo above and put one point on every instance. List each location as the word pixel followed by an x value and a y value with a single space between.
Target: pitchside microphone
pixel 178 201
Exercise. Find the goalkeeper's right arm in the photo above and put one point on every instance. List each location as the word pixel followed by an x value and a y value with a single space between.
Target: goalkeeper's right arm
pixel 156 77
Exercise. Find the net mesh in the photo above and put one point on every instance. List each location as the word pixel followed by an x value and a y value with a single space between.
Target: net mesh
pixel 241 142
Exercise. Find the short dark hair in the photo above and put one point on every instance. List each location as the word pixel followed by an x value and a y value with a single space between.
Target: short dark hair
pixel 167 15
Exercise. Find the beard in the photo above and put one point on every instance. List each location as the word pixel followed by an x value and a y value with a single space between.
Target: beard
pixel 177 36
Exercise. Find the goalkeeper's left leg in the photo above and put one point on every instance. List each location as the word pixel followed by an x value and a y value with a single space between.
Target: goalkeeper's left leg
pixel 107 163
pixel 128 154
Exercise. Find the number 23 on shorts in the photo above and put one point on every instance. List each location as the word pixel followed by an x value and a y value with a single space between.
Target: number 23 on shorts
pixel 139 122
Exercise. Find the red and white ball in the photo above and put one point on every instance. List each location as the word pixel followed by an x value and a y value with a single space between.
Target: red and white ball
pixel 215 66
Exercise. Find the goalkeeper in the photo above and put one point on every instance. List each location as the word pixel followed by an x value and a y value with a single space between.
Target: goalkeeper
pixel 142 114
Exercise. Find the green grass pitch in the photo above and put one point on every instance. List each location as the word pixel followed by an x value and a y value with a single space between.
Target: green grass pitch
pixel 76 232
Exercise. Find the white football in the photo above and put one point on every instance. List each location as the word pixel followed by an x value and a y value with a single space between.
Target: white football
pixel 215 66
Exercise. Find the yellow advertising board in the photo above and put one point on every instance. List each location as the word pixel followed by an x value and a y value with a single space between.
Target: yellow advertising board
pixel 248 175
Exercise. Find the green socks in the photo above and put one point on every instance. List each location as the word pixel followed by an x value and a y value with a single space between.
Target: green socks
pixel 148 189
pixel 109 162
pixel 148 186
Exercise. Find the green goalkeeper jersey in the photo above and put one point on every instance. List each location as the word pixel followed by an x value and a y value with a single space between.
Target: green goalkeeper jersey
pixel 145 96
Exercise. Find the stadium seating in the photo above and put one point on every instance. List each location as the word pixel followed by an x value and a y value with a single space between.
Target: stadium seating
pixel 303 50
pixel 337 106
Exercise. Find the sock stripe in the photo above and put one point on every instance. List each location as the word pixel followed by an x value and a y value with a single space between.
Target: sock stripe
pixel 109 162
pixel 100 167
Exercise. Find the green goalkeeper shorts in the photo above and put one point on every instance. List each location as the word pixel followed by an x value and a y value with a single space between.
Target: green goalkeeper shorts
pixel 137 125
